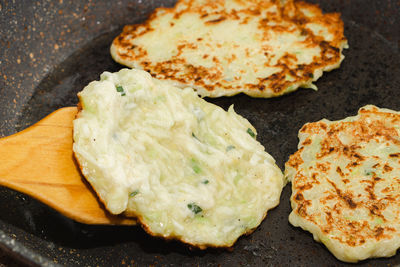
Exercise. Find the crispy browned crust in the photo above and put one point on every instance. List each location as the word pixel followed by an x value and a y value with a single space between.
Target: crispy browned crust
pixel 210 81
pixel 372 125
pixel 79 107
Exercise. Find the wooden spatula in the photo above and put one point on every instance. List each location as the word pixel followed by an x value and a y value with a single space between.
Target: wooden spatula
pixel 38 161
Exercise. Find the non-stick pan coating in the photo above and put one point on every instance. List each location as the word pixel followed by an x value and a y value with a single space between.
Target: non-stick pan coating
pixel 49 50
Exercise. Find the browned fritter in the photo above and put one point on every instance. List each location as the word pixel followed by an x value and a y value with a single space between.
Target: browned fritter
pixel 346 183
pixel 222 48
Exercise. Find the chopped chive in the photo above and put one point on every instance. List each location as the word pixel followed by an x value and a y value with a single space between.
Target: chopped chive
pixel 196 169
pixel 195 136
pixel 230 147
pixel 251 133
pixel 368 172
pixel 195 166
pixel 194 208
pixel 205 182
pixel 120 89
pixel 134 193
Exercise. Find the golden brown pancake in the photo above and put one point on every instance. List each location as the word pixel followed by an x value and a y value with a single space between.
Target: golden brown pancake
pixel 222 48
pixel 346 183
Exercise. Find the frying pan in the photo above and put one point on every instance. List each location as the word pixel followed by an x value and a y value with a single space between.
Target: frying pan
pixel 49 50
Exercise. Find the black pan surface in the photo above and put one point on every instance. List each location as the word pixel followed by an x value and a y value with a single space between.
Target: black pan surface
pixel 49 50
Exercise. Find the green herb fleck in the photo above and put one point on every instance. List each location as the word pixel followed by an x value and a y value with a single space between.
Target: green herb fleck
pixel 378 221
pixel 134 193
pixel 195 136
pixel 194 208
pixel 205 182
pixel 369 172
pixel 230 147
pixel 196 169
pixel 195 166
pixel 120 89
pixel 251 133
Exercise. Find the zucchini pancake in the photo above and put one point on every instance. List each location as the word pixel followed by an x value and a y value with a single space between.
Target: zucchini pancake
pixel 185 168
pixel 222 48
pixel 346 183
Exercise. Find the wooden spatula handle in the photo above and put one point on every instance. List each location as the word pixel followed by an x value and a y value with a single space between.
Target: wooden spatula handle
pixel 39 161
